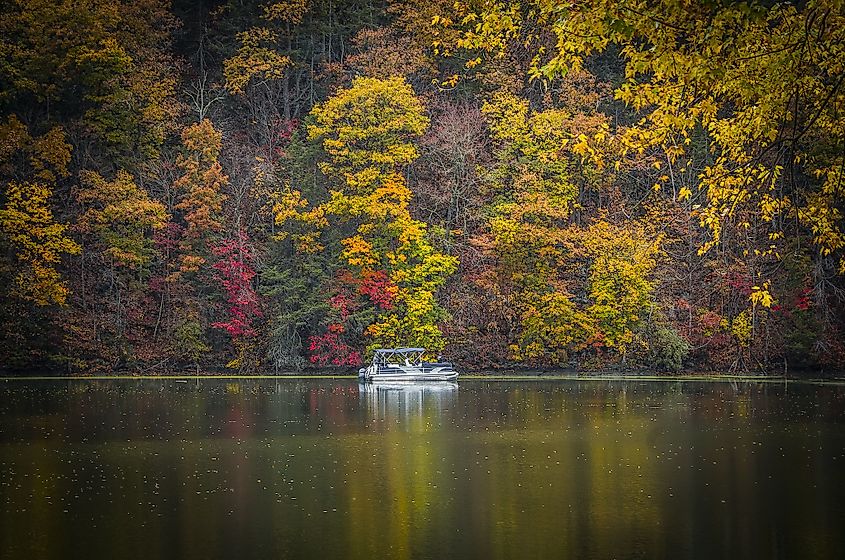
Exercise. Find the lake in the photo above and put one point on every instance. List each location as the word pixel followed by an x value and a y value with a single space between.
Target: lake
pixel 480 469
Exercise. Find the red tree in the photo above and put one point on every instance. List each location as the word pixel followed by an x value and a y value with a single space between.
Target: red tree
pixel 235 272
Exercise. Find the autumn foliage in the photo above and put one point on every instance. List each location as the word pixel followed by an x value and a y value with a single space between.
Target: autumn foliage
pixel 235 272
pixel 652 184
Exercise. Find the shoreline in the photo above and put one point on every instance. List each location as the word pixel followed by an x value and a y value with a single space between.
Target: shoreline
pixel 496 377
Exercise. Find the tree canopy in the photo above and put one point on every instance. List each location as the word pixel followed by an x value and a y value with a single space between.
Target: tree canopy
pixel 651 184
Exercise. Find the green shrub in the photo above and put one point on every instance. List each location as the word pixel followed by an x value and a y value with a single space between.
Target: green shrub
pixel 668 348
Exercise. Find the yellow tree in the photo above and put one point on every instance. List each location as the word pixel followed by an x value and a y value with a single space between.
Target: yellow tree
pixel 537 154
pixel 367 132
pixel 258 59
pixel 39 243
pixel 26 219
pixel 121 216
pixel 264 72
pixel 620 287
pixel 118 220
pixel 255 60
pixel 763 82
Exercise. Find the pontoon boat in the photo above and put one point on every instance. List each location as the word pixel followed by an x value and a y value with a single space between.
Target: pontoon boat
pixel 405 364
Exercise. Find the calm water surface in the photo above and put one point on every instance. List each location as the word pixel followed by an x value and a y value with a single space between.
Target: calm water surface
pixel 325 469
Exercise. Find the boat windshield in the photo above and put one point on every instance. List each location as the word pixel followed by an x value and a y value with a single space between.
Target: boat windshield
pixel 405 356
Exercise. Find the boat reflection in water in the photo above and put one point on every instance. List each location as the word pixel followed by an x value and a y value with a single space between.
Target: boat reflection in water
pixel 406 400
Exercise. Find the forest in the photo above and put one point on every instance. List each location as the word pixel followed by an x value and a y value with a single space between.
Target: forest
pixel 272 186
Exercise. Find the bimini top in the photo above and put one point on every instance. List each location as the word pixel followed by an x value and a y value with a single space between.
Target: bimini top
pixel 400 350
pixel 386 356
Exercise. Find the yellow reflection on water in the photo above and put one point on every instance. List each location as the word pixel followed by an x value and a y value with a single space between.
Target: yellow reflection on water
pixel 310 470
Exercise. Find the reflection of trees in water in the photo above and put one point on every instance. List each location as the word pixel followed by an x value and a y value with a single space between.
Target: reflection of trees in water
pixel 493 470
pixel 404 502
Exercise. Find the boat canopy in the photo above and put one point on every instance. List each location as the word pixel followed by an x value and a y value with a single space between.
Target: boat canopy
pixel 400 350
pixel 394 355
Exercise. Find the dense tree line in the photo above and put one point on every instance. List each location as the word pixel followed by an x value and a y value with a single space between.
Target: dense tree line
pixel 272 185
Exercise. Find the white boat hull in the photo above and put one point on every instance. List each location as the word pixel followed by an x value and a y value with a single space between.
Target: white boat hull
pixel 401 373
pixel 393 378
